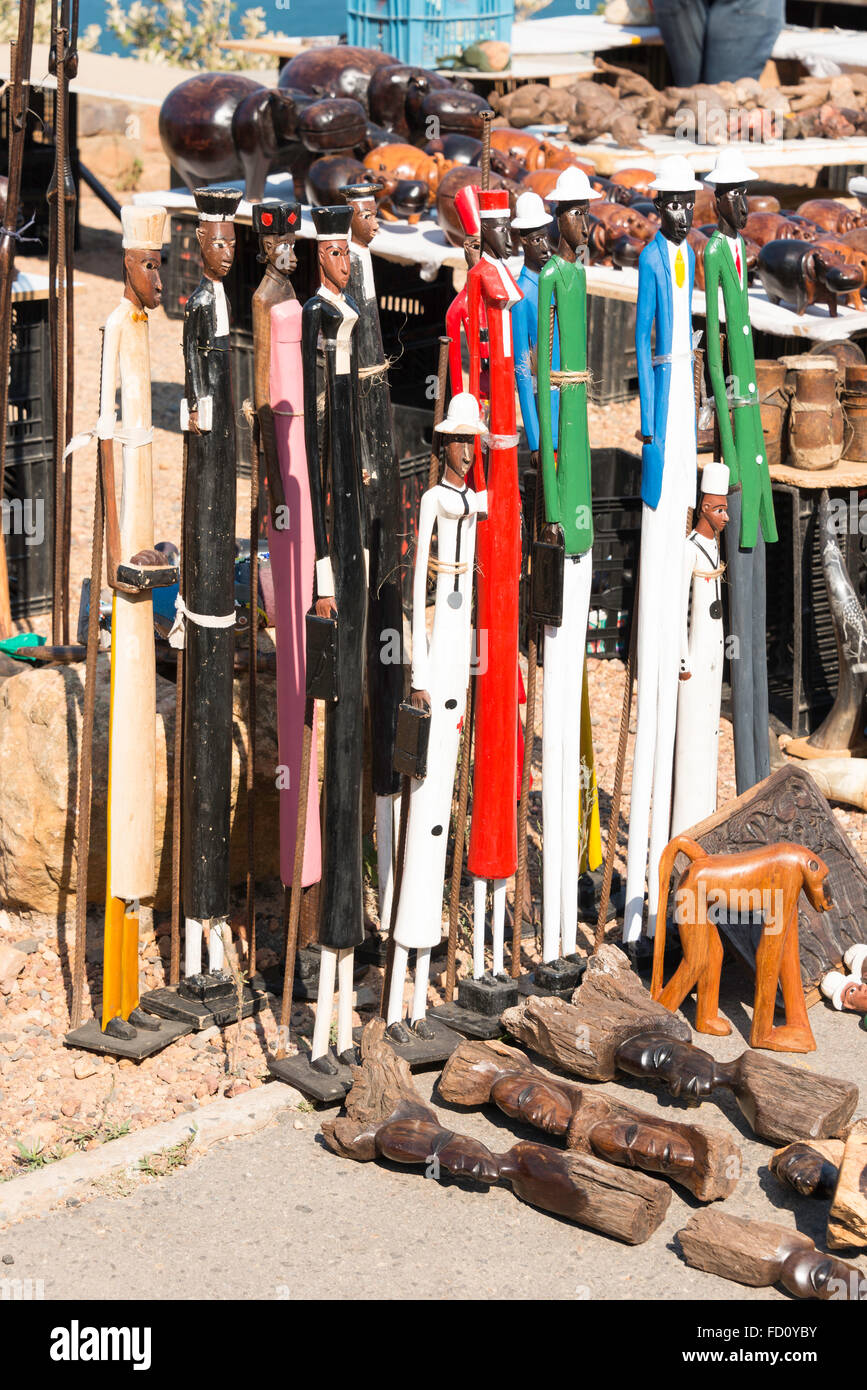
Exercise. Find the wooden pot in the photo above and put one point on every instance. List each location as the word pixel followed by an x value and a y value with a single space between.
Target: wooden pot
pixel 816 425
pixel 774 404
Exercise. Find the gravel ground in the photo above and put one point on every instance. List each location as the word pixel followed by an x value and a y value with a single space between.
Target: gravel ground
pixel 53 1100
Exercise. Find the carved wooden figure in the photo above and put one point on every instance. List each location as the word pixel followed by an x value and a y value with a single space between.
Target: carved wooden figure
pixel 769 879
pixel 696 748
pixel 279 392
pixel 493 847
pixel 751 503
pixel 381 473
pixel 334 463
pixel 134 568
pixel 668 476
pixel 386 1118
pixel 705 1161
pixel 565 464
pixel 613 1025
pixel 761 1253
pixel 457 314
pixel 848 992
pixel 810 1169
pixel 206 602
pixel 440 673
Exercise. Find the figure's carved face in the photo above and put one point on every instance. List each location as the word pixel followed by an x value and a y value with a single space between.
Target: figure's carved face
pixel 854 997
pixel 675 214
pixel 497 236
pixel 460 452
pixel 217 241
pixel 732 206
pixel 537 248
pixel 715 509
pixel 142 270
pixel 472 250
pixel 334 264
pixel 364 223
pixel 279 251
pixel 573 220
pixel 653 1148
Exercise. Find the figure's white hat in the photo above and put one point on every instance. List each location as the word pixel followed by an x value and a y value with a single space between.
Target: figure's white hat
pixel 854 959
pixel 715 479
pixel 858 187
pixel 833 984
pixel 463 416
pixel 730 167
pixel 675 175
pixel 142 228
pixel 531 213
pixel 573 186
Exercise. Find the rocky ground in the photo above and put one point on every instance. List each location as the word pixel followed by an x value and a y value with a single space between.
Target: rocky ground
pixel 53 1100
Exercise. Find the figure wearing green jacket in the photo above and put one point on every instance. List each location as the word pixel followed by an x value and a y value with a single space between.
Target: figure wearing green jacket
pixel 751 503
pixel 569 514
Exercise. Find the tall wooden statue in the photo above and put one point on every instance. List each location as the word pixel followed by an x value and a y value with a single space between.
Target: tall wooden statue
pixel 569 523
pixel 329 318
pixel 457 314
pixel 751 503
pixel 532 221
pixel 280 412
pixel 381 473
pixel 696 750
pixel 206 603
pixel 493 849
pixel 134 568
pixel 440 673
pixel 666 272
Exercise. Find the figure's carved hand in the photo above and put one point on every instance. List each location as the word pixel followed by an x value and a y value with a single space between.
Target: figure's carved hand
pixel 540 1104
pixel 193 422
pixel 685 675
pixel 420 699
pixel 326 607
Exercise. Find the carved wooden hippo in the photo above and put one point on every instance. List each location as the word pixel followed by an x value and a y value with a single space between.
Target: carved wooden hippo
pixel 337 71
pixel 459 177
pixel 220 125
pixel 831 215
pixel 333 126
pixel 622 221
pixel 389 163
pixel 524 148
pixel 325 177
pixel 762 227
pixel 634 182
pixel 843 253
pixel 388 91
pixel 797 272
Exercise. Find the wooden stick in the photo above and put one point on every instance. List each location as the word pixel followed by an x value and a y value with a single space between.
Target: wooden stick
pixel 251 700
pixel 460 839
pixel 178 773
pixel 405 792
pixel 56 202
pixel 487 117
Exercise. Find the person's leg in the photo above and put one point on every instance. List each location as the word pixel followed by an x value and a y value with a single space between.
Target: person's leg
pixel 740 642
pixel 682 24
pixel 394 1011
pixel 760 664
pixel 739 38
pixel 578 577
pixel 422 975
pixel 324 1003
pixel 217 942
pixel 554 697
pixel 345 991
pixel 498 924
pixel 480 894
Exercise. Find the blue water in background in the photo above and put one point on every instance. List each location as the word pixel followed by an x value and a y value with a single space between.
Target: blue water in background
pixel 297 18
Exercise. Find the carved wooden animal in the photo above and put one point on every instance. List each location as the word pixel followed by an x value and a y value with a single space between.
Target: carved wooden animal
pixel 622 221
pixel 770 879
pixel 461 176
pixel 838 253
pixel 559 157
pixel 702 1160
pixel 326 176
pixel 525 148
pixel 761 1253
pixel 830 215
pixel 612 1025
pixel 388 90
pixel 386 1118
pixel 635 180
pixel 798 273
pixel 762 227
pixel 339 70
pixel 390 163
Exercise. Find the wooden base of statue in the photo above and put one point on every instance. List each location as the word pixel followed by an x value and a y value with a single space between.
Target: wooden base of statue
pixel 373 950
pixel 213 1003
pixel 768 880
pixel 479 1008
pixel 761 1253
pixel 704 1161
pixel 386 1118
pixel 419 1053
pixel 847 1219
pixel 297 1071
pixel 306 983
pixel 561 976
pixel 612 1025
pixel 90 1038
pixel 810 1168
pixel 788 806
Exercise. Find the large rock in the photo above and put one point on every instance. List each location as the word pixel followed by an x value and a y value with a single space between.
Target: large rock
pixel 40 732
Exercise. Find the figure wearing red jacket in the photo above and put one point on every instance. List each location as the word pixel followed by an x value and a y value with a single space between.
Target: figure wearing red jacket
pixel 493 852
pixel 457 314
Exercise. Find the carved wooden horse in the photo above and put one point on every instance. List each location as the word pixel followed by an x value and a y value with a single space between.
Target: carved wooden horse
pixel 770 879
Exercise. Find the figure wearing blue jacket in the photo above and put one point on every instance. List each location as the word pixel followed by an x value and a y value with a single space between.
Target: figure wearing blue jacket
pixel 666 383
pixel 524 335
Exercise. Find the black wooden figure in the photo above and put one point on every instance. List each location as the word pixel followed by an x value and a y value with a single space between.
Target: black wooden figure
pixel 329 318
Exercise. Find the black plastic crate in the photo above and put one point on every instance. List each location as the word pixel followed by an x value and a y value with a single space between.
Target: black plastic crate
pixel 38 162
pixel 28 486
pixel 30 427
pixel 611 349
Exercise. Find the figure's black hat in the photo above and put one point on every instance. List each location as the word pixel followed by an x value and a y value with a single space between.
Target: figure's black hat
pixel 276 219
pixel 217 204
pixel 332 223
pixel 353 191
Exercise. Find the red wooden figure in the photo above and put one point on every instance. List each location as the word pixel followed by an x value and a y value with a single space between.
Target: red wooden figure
pixel 457 314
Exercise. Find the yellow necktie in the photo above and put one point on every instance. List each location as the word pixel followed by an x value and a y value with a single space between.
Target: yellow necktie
pixel 679 269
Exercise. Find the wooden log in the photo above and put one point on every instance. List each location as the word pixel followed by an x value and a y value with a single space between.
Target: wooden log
pixel 810 1169
pixel 705 1161
pixel 847 1219
pixel 761 1253
pixel 386 1118
pixel 608 1007
pixel 611 1025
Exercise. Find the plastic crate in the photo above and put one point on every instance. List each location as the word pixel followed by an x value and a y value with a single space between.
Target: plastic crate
pixel 611 349
pixel 28 485
pixel 422 32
